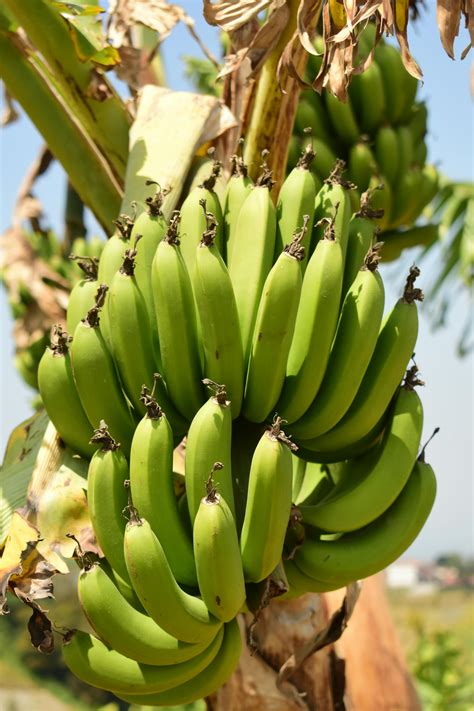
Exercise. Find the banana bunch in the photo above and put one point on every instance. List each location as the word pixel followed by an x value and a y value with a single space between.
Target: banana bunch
pixel 380 133
pixel 250 318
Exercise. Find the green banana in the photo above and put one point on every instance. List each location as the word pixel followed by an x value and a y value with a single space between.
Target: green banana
pixel 342 118
pixel 361 237
pixel 299 467
pixel 237 189
pixel 427 191
pixel 60 397
pixel 296 200
pixel 386 152
pixel 406 198
pixel 176 321
pixel 420 154
pixel 311 113
pixel 125 629
pixel 82 296
pixel 151 226
pixel 209 440
pixel 418 122
pixel 367 95
pixel 300 583
pixel 96 378
pixel 310 452
pixel 112 258
pixel 353 346
pixel 361 165
pixel 273 332
pixel 252 255
pixel 398 240
pixel 107 498
pixel 395 346
pixel 410 88
pixel 316 323
pixel 218 317
pixel 93 662
pixel 267 511
pixel 376 479
pixel 217 553
pixel 206 682
pixel 405 154
pixel 381 200
pixel 182 615
pixel 152 488
pixel 193 221
pixel 317 483
pixel 130 331
pixel 325 158
pixel 392 70
pixel 333 203
pixel 371 549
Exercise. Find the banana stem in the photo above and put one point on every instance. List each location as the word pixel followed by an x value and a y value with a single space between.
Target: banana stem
pixel 273 114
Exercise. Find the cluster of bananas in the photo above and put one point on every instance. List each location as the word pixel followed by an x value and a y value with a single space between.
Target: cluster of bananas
pixel 379 132
pixel 274 309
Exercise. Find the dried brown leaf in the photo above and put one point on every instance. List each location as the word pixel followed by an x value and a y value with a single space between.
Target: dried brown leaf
pixel 232 14
pixel 23 570
pixel 40 629
pixel 448 16
pixel 308 11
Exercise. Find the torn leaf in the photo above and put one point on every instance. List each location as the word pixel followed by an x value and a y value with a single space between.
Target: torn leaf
pixel 232 14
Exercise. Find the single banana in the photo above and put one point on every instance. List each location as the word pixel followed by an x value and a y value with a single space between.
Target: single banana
pixel 406 198
pixel 325 158
pixel 317 484
pixel 395 346
pixel 386 152
pixel 315 326
pixel 125 629
pixel 427 190
pixel 300 583
pixel 353 346
pixel 96 379
pixel 252 255
pixel 342 117
pixel 130 331
pixel 376 479
pixel 151 226
pixel 367 95
pixel 381 200
pixel 82 296
pixel 311 113
pixel 299 467
pixel 176 321
pixel 371 549
pixel 93 662
pixel 361 165
pixel 267 511
pixel 60 397
pixel 209 440
pixel 397 240
pixel 362 446
pixel 193 221
pixel 296 200
pixel 206 682
pixel 391 67
pixel 273 332
pixel 217 553
pixel 418 122
pixel 152 488
pixel 238 187
pixel 182 615
pixel 333 203
pixel 218 317
pixel 107 497
pixel 405 154
pixel 361 238
pixel 112 258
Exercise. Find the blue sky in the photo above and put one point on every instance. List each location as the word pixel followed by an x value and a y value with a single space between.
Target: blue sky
pixel 448 394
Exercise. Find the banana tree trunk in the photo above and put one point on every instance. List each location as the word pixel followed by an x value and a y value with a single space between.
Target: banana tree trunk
pixel 365 670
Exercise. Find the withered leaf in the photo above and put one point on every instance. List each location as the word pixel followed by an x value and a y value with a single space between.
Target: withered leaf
pixel 10 114
pixel 448 16
pixel 232 14
pixel 40 629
